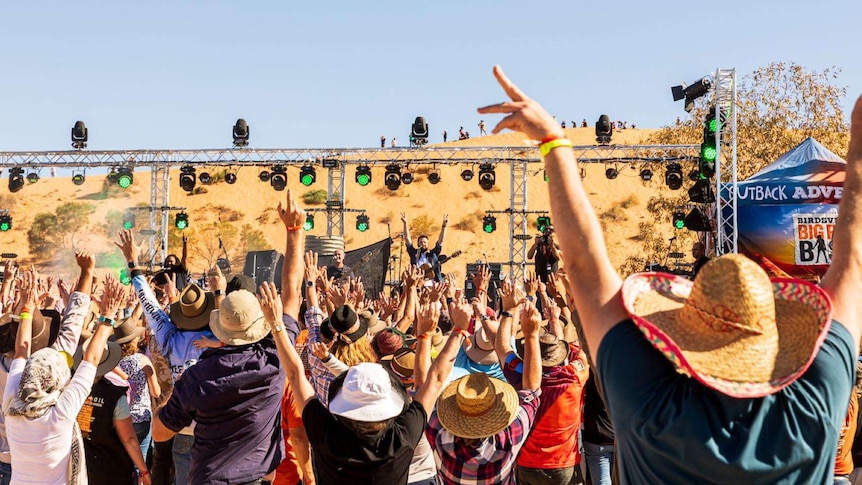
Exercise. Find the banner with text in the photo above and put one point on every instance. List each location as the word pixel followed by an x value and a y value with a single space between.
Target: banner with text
pixel 813 233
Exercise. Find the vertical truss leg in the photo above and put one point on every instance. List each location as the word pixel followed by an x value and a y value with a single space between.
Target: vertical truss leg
pixel 725 162
pixel 335 200
pixel 159 201
pixel 518 220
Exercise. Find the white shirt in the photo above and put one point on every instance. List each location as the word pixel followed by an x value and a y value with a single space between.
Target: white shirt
pixel 41 447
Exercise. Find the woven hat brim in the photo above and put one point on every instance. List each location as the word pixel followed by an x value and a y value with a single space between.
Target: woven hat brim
pixel 196 322
pixel 496 419
pixel 743 367
pixel 251 334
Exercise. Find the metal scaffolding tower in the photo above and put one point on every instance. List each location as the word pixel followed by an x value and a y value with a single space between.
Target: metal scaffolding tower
pixel 725 162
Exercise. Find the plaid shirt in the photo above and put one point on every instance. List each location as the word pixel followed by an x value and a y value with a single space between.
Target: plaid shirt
pixel 492 459
pixel 321 377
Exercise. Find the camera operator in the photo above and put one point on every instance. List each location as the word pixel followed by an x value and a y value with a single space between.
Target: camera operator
pixel 546 252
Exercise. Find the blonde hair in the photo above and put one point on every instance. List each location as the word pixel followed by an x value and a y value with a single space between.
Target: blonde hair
pixel 130 347
pixel 353 353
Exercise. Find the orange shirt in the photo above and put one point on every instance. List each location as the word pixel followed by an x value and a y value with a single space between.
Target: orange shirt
pixel 844 458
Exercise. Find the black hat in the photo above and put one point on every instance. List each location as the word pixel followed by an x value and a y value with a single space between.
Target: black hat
pixel 343 319
pixel 241 282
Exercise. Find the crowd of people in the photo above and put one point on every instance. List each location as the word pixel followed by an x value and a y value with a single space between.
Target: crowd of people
pixel 571 375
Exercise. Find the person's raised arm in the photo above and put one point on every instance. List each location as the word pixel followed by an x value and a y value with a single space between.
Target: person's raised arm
pixel 185 253
pixel 531 322
pixel 443 230
pixel 411 283
pixel 23 341
pixel 531 253
pixel 843 280
pixel 10 272
pixel 312 273
pixel 293 218
pixel 407 241
pixel 511 299
pixel 217 283
pixel 426 321
pixel 426 395
pixel 77 305
pixel 595 282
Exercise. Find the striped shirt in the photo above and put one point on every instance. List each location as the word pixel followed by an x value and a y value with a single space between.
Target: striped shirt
pixel 321 376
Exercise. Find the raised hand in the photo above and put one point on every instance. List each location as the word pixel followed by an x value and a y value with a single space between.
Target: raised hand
pixel 311 269
pixel 128 246
pixel 291 214
pixel 481 278
pixel 429 315
pixel 531 283
pixel 523 114
pixel 170 288
pixel 270 303
pixel 531 322
pixel 216 280
pixel 511 296
pixel 460 312
pixel 404 217
pixel 112 297
pixel 86 261
pixel 319 350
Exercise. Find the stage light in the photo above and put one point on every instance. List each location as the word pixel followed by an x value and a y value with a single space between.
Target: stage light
pixel 701 192
pixel 467 174
pixel 230 178
pixel 263 176
pixel 696 220
pixel 5 222
pixel 307 175
pixel 646 174
pixel 604 130
pixel 673 176
pixel 489 224
pixel 78 178
pixel 678 220
pixel 487 176
pixel 691 93
pixel 241 131
pixel 125 177
pixel 32 177
pixel 16 179
pixel 611 173
pixel 542 223
pixel 708 149
pixel 278 178
pixel 188 179
pixel 205 178
pixel 392 179
pixel 125 277
pixel 363 175
pixel 79 136
pixel 181 221
pixel 694 175
pixel 407 177
pixel 128 220
pixel 362 222
pixel 419 132
pixel 434 177
pixel 309 222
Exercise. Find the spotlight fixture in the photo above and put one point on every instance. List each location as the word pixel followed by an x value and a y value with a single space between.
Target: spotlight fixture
pixel 701 192
pixel 694 175
pixel 278 178
pixel 611 172
pixel 128 220
pixel 467 174
pixel 263 176
pixel 709 149
pixel 125 177
pixel 407 177
pixel 241 131
pixel 125 278
pixel 79 136
pixel 32 177
pixel 309 222
pixel 307 175
pixel 646 174
pixel 542 223
pixel 678 220
pixel 188 179
pixel 205 178
pixel 692 92
pixel 230 177
pixel 363 175
pixel 16 179
pixel 434 177
pixel 673 176
pixel 362 222
pixel 78 178
pixel 487 176
pixel 489 224
pixel 392 177
pixel 419 132
pixel 696 220
pixel 181 221
pixel 604 130
pixel 5 222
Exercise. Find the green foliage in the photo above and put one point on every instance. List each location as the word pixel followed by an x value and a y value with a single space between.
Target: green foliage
pixel 253 239
pixel 314 197
pixel 51 233
pixel 424 225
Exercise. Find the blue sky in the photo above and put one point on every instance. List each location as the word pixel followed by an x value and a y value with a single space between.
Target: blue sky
pixel 177 74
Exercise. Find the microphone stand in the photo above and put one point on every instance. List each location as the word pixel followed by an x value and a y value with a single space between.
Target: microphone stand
pixel 669 247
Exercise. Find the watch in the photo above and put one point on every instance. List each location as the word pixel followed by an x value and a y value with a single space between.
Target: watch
pixel 309 284
pixel 132 265
pixel 218 293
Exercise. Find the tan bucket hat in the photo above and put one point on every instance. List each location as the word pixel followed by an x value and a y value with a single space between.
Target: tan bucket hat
pixel 733 329
pixel 239 319
pixel 477 406
pixel 192 310
pixel 481 350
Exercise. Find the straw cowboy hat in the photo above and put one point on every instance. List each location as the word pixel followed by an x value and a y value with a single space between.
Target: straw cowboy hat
pixel 733 329
pixel 553 350
pixel 110 356
pixel 126 331
pixel 239 319
pixel 477 406
pixel 192 310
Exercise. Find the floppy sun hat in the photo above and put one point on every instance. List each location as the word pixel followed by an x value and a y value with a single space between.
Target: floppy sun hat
pixel 477 406
pixel 733 329
pixel 239 319
pixel 367 394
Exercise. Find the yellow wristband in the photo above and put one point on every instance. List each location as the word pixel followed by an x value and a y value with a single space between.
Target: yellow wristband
pixel 27 316
pixel 546 147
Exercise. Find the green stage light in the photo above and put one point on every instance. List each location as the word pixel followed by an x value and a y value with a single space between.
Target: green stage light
pixel 181 222
pixel 309 222
pixel 129 220
pixel 125 278
pixel 709 147
pixel 363 175
pixel 307 175
pixel 125 177
pixel 489 224
pixel 362 222
pixel 5 222
pixel 679 220
pixel 542 222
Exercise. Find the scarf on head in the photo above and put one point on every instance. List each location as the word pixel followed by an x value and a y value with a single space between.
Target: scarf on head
pixel 45 375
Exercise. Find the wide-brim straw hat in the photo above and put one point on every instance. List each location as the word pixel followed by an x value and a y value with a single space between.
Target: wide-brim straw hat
pixel 126 331
pixel 110 356
pixel 239 319
pixel 733 329
pixel 477 406
pixel 192 310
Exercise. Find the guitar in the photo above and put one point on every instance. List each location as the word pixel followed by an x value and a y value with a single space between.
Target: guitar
pixel 429 270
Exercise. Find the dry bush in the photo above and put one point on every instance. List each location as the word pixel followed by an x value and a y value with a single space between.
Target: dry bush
pixel 424 225
pixel 615 214
pixel 470 222
pixel 629 201
pixel 315 197
pixel 473 195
